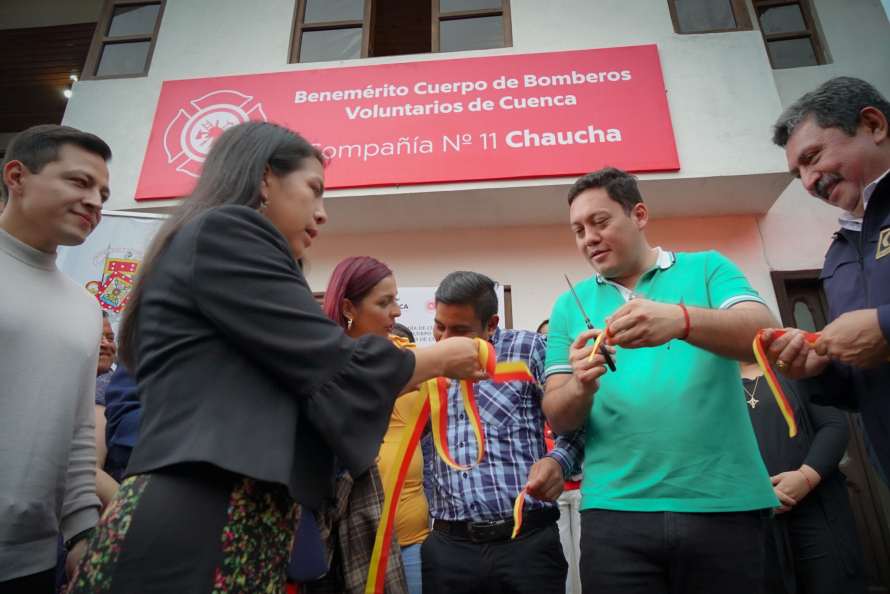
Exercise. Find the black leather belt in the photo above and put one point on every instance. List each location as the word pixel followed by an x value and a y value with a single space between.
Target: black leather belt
pixel 498 529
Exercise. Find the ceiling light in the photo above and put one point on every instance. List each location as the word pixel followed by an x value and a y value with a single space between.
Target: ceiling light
pixel 67 93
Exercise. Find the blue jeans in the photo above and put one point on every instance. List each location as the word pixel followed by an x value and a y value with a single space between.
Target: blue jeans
pixel 411 561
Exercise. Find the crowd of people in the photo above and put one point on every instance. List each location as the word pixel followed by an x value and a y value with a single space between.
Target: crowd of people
pixel 235 436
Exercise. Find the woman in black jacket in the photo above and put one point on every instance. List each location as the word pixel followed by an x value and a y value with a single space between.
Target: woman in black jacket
pixel 813 536
pixel 248 389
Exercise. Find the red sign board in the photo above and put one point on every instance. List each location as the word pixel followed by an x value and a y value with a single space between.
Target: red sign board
pixel 470 119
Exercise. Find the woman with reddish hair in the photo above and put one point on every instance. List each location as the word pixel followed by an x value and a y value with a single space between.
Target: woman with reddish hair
pixel 361 297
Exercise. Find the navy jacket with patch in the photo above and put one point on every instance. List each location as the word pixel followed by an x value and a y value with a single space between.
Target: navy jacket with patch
pixel 856 275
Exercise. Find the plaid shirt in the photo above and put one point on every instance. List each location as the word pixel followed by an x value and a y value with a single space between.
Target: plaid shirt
pixel 513 427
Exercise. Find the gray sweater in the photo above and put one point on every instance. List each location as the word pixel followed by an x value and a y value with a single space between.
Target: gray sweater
pixel 50 330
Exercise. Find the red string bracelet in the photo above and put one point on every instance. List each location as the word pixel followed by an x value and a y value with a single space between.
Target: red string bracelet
pixel 685 313
pixel 806 478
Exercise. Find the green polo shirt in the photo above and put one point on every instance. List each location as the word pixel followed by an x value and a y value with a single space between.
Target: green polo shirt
pixel 667 431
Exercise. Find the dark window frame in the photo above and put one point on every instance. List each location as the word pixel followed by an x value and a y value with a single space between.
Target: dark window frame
pixel 809 33
pixel 739 12
pixel 785 281
pixel 101 39
pixel 367 51
pixel 503 11
pixel 296 38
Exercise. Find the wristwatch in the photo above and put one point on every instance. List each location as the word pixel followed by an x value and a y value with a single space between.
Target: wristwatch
pixel 69 544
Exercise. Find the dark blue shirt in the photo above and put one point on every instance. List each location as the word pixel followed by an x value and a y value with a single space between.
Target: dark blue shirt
pixel 122 411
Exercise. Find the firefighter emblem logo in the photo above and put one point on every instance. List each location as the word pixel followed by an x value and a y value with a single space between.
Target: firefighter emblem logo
pixel 118 275
pixel 883 244
pixel 190 135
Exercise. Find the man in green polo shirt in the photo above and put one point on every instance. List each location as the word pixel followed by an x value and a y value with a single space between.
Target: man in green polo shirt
pixel 674 487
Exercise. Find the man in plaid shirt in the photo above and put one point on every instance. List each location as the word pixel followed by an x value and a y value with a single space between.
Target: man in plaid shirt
pixel 470 549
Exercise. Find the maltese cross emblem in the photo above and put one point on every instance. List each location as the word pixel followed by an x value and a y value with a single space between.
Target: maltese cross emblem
pixel 190 135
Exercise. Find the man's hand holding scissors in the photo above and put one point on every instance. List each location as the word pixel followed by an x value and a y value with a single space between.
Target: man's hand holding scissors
pixel 586 371
pixel 568 398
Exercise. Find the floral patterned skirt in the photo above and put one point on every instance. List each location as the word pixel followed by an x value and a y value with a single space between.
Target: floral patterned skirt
pixel 193 528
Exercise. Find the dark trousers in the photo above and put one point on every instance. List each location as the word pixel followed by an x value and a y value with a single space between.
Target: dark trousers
pixel 531 563
pixel 43 582
pixel 800 548
pixel 671 553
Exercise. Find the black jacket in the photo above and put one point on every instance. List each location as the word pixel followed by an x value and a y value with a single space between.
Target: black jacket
pixel 820 444
pixel 238 366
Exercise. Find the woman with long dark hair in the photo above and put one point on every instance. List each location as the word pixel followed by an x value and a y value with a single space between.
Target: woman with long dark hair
pixel 249 391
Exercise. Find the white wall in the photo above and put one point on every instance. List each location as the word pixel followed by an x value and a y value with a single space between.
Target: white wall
pixel 533 260
pixel 720 87
pixel 723 99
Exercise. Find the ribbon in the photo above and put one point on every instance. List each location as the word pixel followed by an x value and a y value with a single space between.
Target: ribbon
pixel 517 512
pixel 773 382
pixel 433 401
pixel 596 343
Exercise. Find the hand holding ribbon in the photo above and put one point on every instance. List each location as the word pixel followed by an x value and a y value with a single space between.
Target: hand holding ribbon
pixel 856 339
pixel 433 400
pixel 793 352
pixel 642 323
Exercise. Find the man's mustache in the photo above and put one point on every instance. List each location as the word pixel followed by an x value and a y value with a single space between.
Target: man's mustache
pixel 826 182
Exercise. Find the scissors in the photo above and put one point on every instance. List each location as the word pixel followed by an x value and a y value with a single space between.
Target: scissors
pixel 609 361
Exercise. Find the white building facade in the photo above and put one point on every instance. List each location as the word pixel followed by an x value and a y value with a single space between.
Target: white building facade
pixel 731 193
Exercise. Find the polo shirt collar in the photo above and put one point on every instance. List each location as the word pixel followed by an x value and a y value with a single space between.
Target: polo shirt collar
pixel 663 261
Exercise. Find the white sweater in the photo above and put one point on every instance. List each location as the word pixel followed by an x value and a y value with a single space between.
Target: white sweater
pixel 50 330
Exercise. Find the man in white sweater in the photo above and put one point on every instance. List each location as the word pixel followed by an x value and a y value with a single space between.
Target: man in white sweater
pixel 55 180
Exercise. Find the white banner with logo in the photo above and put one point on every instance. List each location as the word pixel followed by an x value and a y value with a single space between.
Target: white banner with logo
pixel 106 264
pixel 418 306
pixel 108 261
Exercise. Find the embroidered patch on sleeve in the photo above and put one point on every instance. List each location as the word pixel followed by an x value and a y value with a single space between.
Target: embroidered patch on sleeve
pixel 883 244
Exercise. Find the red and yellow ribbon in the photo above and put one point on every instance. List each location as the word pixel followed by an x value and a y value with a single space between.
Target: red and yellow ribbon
pixel 517 512
pixel 596 343
pixel 433 400
pixel 773 382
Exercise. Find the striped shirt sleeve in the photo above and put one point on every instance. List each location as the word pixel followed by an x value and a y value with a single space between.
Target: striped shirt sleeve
pixel 559 340
pixel 727 285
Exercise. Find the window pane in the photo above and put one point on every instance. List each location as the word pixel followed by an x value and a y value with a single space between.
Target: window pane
pixel 470 34
pixel 123 58
pixel 782 19
pixel 134 20
pixel 803 317
pixel 455 5
pixel 792 53
pixel 324 11
pixel 704 15
pixel 335 44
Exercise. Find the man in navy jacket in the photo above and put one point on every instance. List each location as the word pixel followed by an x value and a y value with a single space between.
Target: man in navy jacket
pixel 836 141
pixel 122 410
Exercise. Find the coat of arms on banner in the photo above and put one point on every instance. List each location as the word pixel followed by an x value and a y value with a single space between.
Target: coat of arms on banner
pixel 190 135
pixel 118 275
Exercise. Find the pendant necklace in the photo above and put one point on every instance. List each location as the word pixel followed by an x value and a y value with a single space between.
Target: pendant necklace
pixel 753 402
